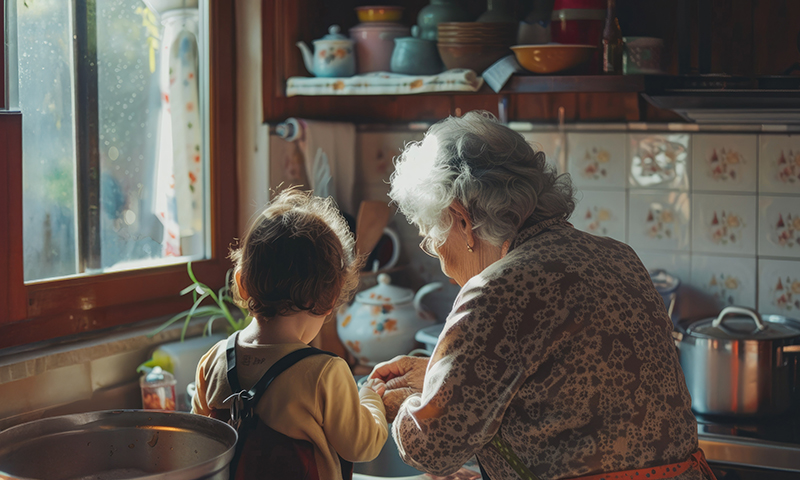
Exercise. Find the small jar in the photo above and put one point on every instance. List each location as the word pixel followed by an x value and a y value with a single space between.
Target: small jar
pixel 158 390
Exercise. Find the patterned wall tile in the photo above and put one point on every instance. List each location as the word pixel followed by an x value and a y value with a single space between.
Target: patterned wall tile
pixel 552 144
pixel 601 213
pixel 596 160
pixel 779 164
pixel 659 221
pixel 779 287
pixel 659 161
pixel 724 163
pixel 732 280
pixel 779 226
pixel 676 264
pixel 724 224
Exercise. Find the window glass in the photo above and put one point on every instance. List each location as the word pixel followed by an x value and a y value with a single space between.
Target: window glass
pixel 137 91
pixel 45 89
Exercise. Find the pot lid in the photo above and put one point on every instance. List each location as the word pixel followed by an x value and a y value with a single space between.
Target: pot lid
pixel 741 323
pixel 333 34
pixel 385 293
pixel 664 282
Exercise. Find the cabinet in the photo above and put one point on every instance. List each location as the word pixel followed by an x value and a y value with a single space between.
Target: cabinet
pixel 745 37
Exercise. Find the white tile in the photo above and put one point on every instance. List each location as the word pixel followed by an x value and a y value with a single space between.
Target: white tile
pixel 724 163
pixel 659 221
pixel 658 161
pixel 676 264
pixel 596 160
pixel 601 213
pixel 779 164
pixel 732 280
pixel 779 226
pixel 724 224
pixel 779 287
pixel 552 144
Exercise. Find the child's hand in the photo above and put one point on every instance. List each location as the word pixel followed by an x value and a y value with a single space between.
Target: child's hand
pixel 376 385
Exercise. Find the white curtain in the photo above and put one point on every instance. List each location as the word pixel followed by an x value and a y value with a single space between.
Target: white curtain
pixel 179 190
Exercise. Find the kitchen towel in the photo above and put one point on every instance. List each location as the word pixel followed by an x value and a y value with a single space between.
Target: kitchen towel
pixel 329 150
pixel 383 83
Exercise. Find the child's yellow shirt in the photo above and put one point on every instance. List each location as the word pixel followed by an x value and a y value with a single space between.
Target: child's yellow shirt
pixel 315 400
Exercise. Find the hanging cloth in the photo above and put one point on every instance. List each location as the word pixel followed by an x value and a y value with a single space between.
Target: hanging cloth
pixel 179 191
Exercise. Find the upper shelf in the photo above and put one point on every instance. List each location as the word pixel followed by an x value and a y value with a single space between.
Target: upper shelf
pixel 574 84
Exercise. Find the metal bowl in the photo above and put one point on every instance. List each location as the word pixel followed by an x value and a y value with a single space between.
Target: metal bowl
pixel 119 444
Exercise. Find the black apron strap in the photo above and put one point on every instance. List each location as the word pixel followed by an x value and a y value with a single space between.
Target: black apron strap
pixel 230 354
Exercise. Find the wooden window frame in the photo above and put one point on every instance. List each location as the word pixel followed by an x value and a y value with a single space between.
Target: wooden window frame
pixel 47 310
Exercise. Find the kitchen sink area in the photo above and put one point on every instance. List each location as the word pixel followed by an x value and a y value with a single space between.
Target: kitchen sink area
pixel 387 465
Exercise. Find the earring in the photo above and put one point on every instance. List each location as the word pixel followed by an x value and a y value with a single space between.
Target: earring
pixel 469 249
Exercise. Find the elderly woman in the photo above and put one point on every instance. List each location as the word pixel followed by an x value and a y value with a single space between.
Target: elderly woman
pixel 557 360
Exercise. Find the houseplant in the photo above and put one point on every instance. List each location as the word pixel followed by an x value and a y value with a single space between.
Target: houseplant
pixel 221 309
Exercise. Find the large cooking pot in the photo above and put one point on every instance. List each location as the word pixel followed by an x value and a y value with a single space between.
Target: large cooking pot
pixel 131 444
pixel 741 363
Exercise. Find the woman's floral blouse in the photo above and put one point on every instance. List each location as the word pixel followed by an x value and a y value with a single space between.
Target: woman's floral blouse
pixel 564 348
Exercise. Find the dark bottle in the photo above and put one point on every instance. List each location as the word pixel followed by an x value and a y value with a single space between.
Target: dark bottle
pixel 612 41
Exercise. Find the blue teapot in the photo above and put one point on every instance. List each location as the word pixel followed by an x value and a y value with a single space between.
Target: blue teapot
pixel 334 55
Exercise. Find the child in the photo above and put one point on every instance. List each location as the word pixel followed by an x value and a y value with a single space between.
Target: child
pixel 294 267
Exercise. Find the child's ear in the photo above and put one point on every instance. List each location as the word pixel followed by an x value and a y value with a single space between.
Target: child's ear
pixel 238 279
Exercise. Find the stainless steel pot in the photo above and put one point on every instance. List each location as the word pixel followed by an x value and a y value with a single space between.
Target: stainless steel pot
pixel 130 444
pixel 741 364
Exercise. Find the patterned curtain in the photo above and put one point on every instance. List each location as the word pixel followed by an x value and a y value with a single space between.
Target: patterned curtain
pixel 179 202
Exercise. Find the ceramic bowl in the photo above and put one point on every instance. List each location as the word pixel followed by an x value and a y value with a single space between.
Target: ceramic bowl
pixel 471 56
pixel 552 58
pixel 378 13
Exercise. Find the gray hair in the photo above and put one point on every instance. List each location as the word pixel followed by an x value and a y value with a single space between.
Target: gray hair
pixel 489 168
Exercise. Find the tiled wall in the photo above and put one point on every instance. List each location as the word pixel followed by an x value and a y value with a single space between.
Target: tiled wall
pixel 719 210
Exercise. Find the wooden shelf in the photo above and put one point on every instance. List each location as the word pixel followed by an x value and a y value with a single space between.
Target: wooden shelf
pixel 574 84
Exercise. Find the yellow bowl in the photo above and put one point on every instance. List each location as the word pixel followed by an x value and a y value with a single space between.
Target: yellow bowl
pixel 552 58
pixel 380 13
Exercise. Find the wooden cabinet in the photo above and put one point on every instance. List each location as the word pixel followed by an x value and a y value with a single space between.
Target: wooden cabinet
pixel 739 37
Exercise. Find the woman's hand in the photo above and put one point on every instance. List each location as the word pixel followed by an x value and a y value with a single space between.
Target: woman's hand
pixel 404 376
pixel 402 372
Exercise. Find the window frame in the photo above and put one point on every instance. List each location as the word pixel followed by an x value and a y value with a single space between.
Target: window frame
pixel 45 310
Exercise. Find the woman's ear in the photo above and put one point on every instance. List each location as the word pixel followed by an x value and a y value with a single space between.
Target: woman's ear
pixel 237 277
pixel 463 221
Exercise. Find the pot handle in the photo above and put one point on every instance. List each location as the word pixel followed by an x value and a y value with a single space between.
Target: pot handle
pixel 741 311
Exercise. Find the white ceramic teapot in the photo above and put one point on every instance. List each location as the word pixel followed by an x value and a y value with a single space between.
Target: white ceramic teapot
pixel 382 321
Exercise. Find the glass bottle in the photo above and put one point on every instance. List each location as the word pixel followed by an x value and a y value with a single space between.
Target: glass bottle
pixel 612 41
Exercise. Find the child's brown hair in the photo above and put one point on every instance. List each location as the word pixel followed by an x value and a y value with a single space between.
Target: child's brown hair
pixel 297 255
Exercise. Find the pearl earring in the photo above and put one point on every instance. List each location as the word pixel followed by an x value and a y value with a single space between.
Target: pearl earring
pixel 469 249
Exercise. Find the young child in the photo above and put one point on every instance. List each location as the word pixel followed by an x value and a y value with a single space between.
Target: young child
pixel 296 265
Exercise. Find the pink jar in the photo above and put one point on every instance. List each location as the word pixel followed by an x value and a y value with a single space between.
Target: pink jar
pixel 375 43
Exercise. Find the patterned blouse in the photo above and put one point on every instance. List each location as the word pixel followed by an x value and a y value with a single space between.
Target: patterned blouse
pixel 564 348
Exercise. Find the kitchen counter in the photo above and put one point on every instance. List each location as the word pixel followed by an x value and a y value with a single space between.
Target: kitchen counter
pixel 771 443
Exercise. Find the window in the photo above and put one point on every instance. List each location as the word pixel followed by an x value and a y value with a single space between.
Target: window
pixel 120 183
pixel 113 170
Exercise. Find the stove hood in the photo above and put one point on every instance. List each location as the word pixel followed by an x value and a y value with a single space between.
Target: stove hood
pixel 724 99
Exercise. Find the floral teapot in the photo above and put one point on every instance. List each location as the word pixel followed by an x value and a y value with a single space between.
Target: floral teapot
pixel 333 56
pixel 382 321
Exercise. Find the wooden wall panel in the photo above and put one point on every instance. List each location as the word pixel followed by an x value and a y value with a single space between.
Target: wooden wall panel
pixel 614 107
pixel 776 35
pixel 466 103
pixel 543 107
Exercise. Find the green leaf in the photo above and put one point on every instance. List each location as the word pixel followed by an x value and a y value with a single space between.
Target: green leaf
pixel 167 324
pixel 188 289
